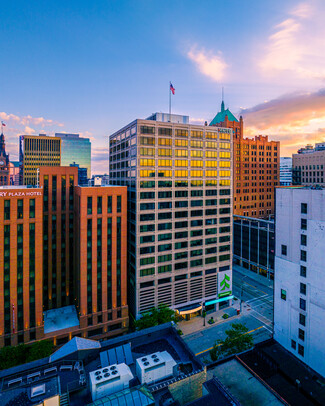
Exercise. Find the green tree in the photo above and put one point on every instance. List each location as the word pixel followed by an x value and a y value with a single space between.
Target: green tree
pixel 237 340
pixel 157 315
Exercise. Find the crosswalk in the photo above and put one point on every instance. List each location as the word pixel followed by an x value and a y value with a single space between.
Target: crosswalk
pixel 261 304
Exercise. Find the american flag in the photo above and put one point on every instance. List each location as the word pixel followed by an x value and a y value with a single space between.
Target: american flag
pixel 172 88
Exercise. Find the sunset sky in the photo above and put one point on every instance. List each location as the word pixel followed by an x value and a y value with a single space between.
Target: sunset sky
pixel 93 66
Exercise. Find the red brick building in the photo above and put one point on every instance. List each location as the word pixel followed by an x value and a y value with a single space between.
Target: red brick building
pixel 256 168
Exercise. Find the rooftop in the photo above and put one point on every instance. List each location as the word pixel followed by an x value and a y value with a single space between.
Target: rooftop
pixel 221 116
pixel 60 319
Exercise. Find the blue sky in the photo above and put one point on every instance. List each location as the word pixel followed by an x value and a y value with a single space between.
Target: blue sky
pixel 93 66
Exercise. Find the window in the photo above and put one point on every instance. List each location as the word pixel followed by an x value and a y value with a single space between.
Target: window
pixel 89 204
pixel 147 272
pixel 99 205
pixel 293 344
pixel 303 208
pixel 109 204
pixel 303 240
pixel 283 249
pixel 118 204
pixel 164 268
pixel 32 208
pixel 303 288
pixel 303 255
pixel 301 334
pixel 303 224
pixel 301 350
pixel 20 207
pixel 302 304
pixel 303 271
pixel 302 319
pixel 283 294
pixel 7 210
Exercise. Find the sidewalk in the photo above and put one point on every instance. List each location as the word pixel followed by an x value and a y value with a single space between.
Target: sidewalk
pixel 196 324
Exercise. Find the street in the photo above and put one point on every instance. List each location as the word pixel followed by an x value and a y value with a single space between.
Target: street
pixel 257 315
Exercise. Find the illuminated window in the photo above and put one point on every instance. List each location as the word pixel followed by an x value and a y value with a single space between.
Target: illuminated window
pixel 164 174
pixel 224 182
pixel 181 162
pixel 211 164
pixel 181 152
pixel 181 174
pixel 197 144
pixel 224 145
pixel 223 154
pixel 211 182
pixel 211 144
pixel 165 141
pixel 211 174
pixel 196 163
pixel 165 162
pixel 196 183
pixel 164 152
pixel 147 151
pixel 197 153
pixel 196 174
pixel 147 173
pixel 197 134
pixel 210 134
pixel 224 164
pixel 224 173
pixel 181 143
pixel 147 162
pixel 211 154
pixel 224 136
pixel 181 133
pixel 147 141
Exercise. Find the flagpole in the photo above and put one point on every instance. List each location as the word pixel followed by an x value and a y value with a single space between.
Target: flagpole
pixel 170 101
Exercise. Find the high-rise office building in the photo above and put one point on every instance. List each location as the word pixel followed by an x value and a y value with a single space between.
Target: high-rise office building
pixel 255 168
pixel 308 165
pixel 179 212
pixel 58 230
pixel 299 281
pixel 34 152
pixel 21 242
pixel 75 149
pixel 285 171
pixel 101 259
pixel 4 161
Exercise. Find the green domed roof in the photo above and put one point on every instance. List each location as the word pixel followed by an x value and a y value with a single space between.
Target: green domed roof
pixel 220 117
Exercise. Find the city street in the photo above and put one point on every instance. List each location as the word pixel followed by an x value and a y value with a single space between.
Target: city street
pixel 257 314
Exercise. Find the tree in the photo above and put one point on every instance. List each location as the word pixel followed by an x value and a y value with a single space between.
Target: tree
pixel 157 315
pixel 237 340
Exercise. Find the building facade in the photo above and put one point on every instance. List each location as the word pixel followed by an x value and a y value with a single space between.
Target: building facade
pixel 256 167
pixel 179 212
pixel 21 307
pixel 4 161
pixel 309 165
pixel 34 152
pixel 285 171
pixel 299 293
pixel 101 260
pixel 75 149
pixel 14 173
pixel 254 245
pixel 58 185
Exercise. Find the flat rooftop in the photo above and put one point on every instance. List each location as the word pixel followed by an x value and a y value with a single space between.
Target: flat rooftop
pixel 60 319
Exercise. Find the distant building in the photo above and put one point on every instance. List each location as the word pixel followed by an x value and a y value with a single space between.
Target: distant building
pixel 75 149
pixel 34 152
pixel 309 165
pixel 14 172
pixel 180 212
pixel 254 245
pixel 255 167
pixel 82 175
pixel 4 161
pixel 299 284
pixel 285 171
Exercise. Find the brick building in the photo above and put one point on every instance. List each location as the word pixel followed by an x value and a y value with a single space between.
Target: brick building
pixel 21 307
pixel 256 168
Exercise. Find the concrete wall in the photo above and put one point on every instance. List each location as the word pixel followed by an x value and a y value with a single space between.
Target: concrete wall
pixel 188 389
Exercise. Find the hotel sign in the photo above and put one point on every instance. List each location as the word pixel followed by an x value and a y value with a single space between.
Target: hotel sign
pixel 224 283
pixel 20 193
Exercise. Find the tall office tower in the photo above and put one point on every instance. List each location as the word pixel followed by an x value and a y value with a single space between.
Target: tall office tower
pixel 4 161
pixel 21 307
pixel 285 171
pixel 179 212
pixel 308 165
pixel 36 151
pixel 255 167
pixel 299 283
pixel 58 184
pixel 101 260
pixel 75 150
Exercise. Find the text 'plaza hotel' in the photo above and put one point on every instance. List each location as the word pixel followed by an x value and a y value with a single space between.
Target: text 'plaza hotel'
pixel 179 179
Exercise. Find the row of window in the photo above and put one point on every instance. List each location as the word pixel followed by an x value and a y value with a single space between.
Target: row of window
pixel 185 163
pixel 224 135
pixel 20 209
pixel 149 173
pixel 184 183
pixel 99 204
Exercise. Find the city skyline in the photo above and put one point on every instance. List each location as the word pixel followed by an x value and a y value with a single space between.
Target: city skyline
pixel 65 68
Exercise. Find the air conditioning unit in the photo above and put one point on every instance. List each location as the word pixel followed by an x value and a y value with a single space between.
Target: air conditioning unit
pixel 108 380
pixel 155 367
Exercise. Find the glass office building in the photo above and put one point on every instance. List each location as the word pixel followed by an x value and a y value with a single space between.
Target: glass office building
pixel 179 212
pixel 75 150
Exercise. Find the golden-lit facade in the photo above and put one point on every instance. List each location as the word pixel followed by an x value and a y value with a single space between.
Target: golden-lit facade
pixel 36 151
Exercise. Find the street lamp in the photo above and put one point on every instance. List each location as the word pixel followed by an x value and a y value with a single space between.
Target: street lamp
pixel 203 314
pixel 241 293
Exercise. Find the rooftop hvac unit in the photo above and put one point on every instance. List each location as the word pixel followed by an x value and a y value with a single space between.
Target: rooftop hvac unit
pixel 155 367
pixel 108 380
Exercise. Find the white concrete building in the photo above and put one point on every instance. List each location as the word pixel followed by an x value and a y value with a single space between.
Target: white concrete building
pixel 285 171
pixel 299 284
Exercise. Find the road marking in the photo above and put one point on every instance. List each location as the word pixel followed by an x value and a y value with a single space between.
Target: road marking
pixel 239 284
pixel 256 298
pixel 248 332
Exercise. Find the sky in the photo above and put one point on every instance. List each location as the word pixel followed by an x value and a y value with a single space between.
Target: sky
pixel 91 67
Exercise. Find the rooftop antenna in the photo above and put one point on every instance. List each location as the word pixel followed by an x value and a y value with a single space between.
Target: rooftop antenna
pixel 222 103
